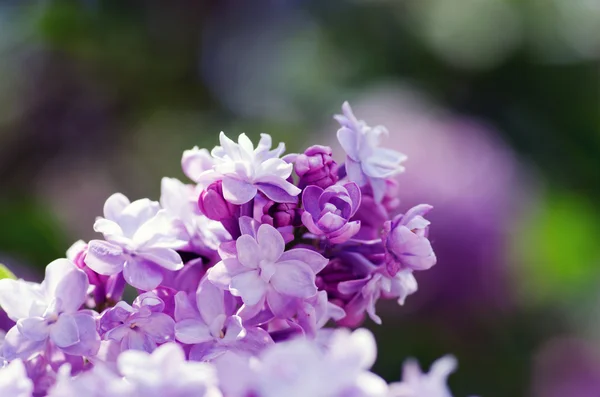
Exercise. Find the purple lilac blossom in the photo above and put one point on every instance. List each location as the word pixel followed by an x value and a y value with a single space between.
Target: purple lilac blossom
pixel 142 326
pixel 210 325
pixel 49 313
pixel 14 381
pixel 328 212
pixel 405 241
pixel 245 170
pixel 366 163
pixel 316 167
pixel 137 243
pixel 261 271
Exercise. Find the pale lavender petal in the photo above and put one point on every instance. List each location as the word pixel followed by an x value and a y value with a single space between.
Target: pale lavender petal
pixel 110 229
pixel 192 331
pixel 114 205
pixel 195 161
pixel 352 286
pixel 271 242
pixel 282 306
pixel 164 257
pixel 71 290
pixel 104 258
pixel 348 141
pixel 34 328
pixel 16 345
pixel 379 187
pixel 330 222
pixel 249 286
pixel 355 172
pixel 256 340
pixel 55 274
pixel 210 301
pixel 219 275
pixel 89 340
pixel 137 341
pixel 345 233
pixel 307 220
pixel 294 278
pixel 64 332
pixel 316 261
pixel 159 326
pixel 183 307
pixel 136 214
pixel 142 275
pixel 238 192
pixel 16 297
pixel 248 252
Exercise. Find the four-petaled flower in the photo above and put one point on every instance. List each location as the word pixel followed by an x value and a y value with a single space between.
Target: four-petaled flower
pixel 139 242
pixel 262 270
pixel 49 312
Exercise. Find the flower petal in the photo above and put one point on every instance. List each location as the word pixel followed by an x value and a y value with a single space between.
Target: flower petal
pixel 294 278
pixel 104 258
pixel 164 257
pixel 16 345
pixel 64 332
pixel 17 297
pixel 271 242
pixel 66 282
pixel 89 340
pixel 312 258
pixel 248 252
pixel 210 301
pixel 114 205
pixel 238 192
pixel 142 275
pixel 159 327
pixel 192 331
pixel 310 199
pixel 249 286
pixel 34 328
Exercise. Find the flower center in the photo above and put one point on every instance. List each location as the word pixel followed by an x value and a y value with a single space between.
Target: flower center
pixel 267 269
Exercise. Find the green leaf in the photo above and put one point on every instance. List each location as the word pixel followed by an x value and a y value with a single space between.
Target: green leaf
pixel 5 273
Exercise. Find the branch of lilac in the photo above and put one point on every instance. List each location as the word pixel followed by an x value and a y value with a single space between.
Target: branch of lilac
pixel 248 282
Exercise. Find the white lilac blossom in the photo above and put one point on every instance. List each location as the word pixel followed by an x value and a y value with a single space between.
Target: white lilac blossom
pixel 14 381
pixel 245 170
pixel 48 315
pixel 139 242
pixel 240 283
pixel 366 162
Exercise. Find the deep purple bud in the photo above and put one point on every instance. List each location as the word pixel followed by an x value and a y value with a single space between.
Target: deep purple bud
pixel 214 206
pixel 405 241
pixel 281 214
pixel 316 167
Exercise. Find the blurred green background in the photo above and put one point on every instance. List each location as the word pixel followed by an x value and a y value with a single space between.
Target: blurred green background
pixel 496 103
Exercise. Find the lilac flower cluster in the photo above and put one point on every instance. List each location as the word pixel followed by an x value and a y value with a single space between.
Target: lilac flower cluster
pixel 235 276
